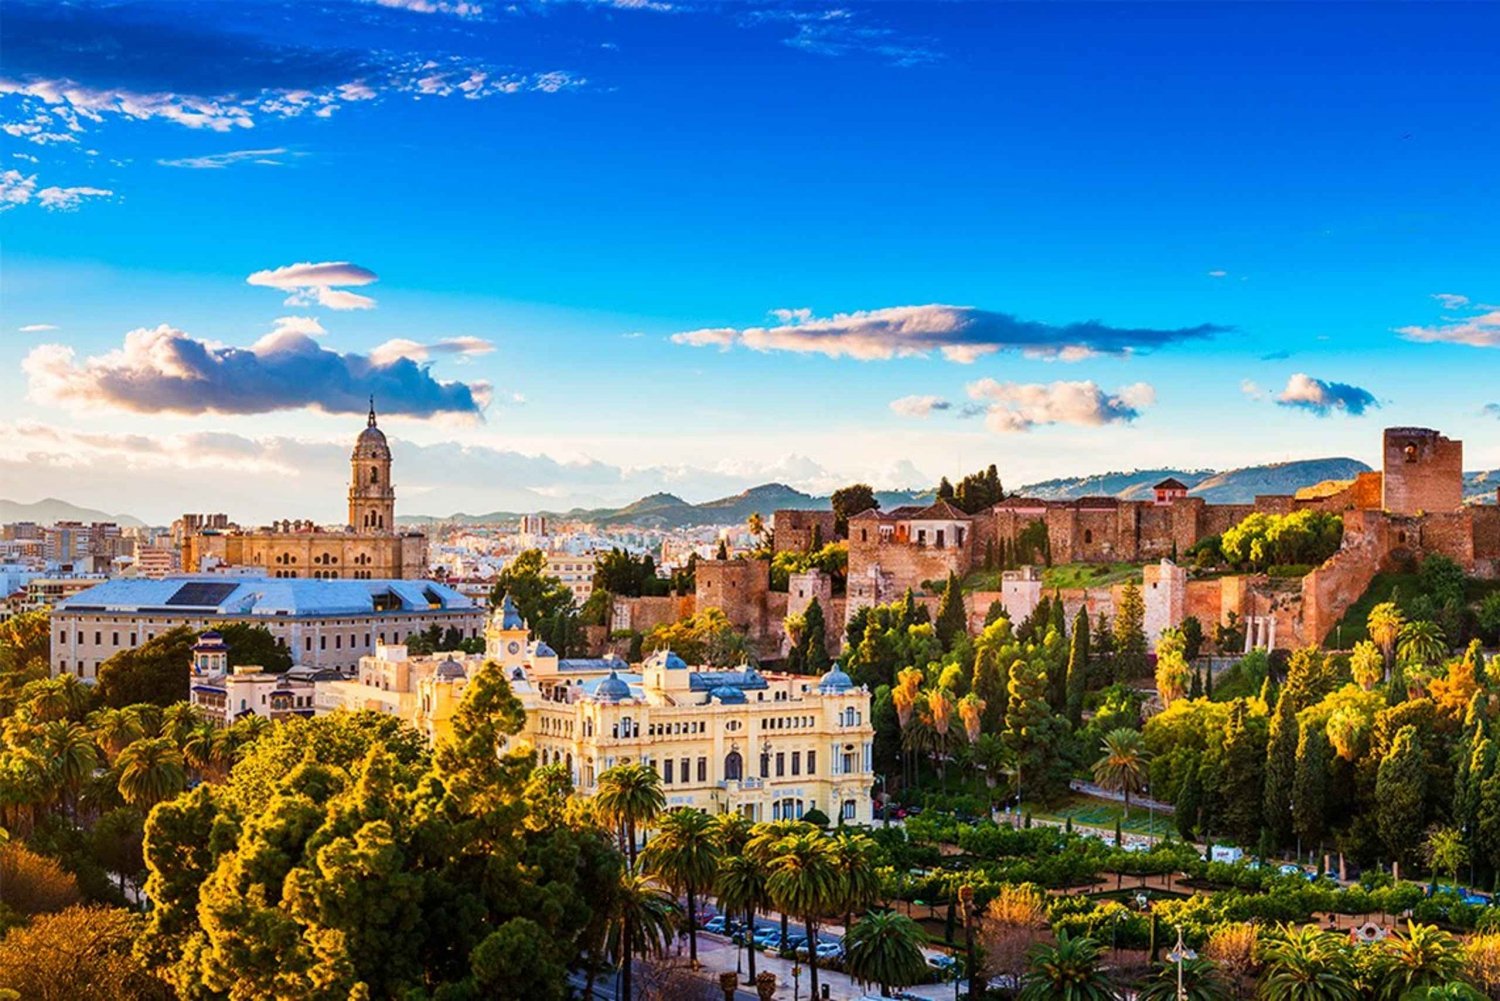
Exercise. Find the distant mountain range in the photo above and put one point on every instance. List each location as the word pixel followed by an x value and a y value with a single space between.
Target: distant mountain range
pixel 663 510
pixel 1234 486
pixel 51 510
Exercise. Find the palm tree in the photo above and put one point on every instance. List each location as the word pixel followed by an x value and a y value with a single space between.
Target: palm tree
pixel 151 770
pixel 1421 642
pixel 209 750
pixel 641 923
pixel 804 880
pixel 1305 964
pixel 1384 625
pixel 1066 970
pixel 733 832
pixel 1455 991
pixel 741 888
pixel 685 855
pixel 854 854
pixel 1123 767
pixel 990 755
pixel 756 523
pixel 178 720
pixel 70 750
pixel 764 839
pixel 1426 957
pixel 1201 981
pixel 114 730
pixel 885 948
pixel 628 798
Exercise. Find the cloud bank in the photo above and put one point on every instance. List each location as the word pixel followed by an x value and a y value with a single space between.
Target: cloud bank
pixel 919 406
pixel 163 370
pixel 218 161
pixel 1481 330
pixel 1013 406
pixel 1317 396
pixel 323 283
pixel 19 189
pixel 961 334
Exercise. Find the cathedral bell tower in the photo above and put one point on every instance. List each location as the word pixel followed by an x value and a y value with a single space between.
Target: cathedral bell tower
pixel 372 497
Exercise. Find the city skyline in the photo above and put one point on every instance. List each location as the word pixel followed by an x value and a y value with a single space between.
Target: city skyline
pixel 583 252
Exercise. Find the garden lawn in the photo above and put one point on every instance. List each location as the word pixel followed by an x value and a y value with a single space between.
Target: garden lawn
pixel 1081 575
pixel 1087 811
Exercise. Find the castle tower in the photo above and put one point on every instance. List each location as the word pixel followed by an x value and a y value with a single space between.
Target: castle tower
pixel 372 496
pixel 210 654
pixel 1423 472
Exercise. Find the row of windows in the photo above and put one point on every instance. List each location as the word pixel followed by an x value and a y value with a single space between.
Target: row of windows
pixel 669 775
pixel 787 722
pixel 674 729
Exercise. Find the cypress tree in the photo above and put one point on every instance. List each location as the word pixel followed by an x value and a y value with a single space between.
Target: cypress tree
pixel 952 621
pixel 1281 768
pixel 1208 681
pixel 1243 778
pixel 814 644
pixel 1195 688
pixel 1400 792
pixel 1059 615
pixel 1310 788
pixel 1078 667
pixel 995 612
pixel 1130 634
pixel 1189 801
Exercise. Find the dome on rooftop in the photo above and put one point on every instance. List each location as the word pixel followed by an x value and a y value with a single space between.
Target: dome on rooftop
pixel 451 670
pixel 835 681
pixel 727 694
pixel 668 660
pixel 371 443
pixel 542 650
pixel 612 689
pixel 509 615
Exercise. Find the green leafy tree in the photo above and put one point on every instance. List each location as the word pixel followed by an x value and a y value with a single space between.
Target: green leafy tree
pixel 538 596
pixel 1129 634
pixel 1173 674
pixel 251 644
pixel 154 672
pixel 1425 957
pixel 1192 638
pixel 1243 775
pixel 1400 795
pixel 849 501
pixel 1310 785
pixel 952 620
pixel 978 491
pixel 707 637
pixel 519 962
pixel 1033 734
pixel 1281 768
pixel 1446 851
pixel 1078 667
pixel 1384 626
pixel 885 948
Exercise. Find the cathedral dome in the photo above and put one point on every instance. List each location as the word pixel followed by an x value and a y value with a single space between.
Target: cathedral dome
pixel 371 443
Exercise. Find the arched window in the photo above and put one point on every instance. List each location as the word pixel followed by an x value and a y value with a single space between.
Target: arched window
pixel 374 475
pixel 734 766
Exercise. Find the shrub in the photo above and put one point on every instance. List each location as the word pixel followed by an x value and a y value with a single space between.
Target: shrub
pixel 34 884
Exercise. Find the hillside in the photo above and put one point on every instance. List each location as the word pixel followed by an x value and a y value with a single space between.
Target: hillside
pixel 51 510
pixel 1234 486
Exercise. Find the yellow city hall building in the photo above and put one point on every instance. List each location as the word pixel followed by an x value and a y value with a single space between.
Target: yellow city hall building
pixel 769 746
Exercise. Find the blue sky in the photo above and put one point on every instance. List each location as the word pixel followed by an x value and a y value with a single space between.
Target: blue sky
pixel 1063 239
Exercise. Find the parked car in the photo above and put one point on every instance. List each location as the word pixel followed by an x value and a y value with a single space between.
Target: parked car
pixel 717 925
pixel 942 962
pixel 769 941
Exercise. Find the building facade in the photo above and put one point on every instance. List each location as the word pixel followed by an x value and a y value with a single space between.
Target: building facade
pixel 768 746
pixel 324 623
pixel 368 547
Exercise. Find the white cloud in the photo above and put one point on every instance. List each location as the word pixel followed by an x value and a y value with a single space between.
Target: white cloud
pixel 15 189
pixel 36 328
pixel 68 199
pixel 1218 273
pixel 401 347
pixel 1016 406
pixel 218 161
pixel 1317 396
pixel 962 334
pixel 70 101
pixel 164 370
pixel 1479 331
pixel 19 189
pixel 322 283
pixel 1451 301
pixel 919 406
pixel 459 9
pixel 1252 389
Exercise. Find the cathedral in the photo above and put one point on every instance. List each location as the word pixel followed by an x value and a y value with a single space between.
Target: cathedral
pixel 368 547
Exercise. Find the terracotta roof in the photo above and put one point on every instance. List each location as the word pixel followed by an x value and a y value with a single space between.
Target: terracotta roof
pixel 941 510
pixel 1170 483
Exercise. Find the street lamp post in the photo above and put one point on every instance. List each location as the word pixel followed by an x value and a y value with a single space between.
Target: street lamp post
pixel 1180 955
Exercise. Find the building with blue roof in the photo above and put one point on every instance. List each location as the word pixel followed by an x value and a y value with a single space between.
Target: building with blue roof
pixel 324 623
